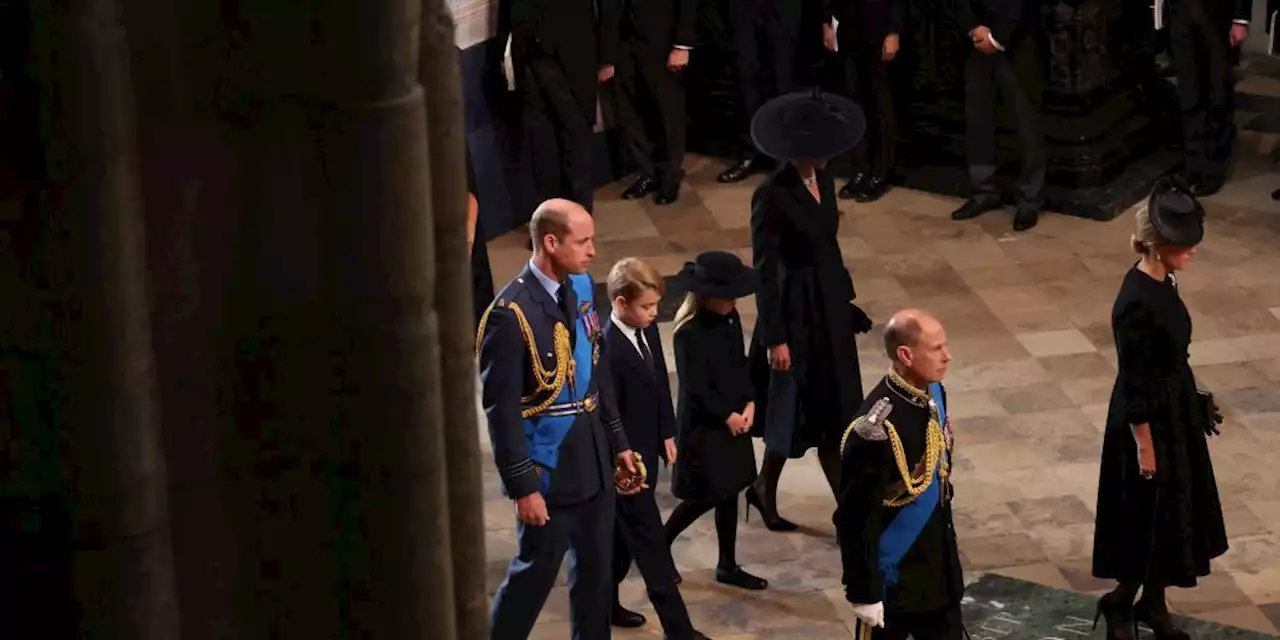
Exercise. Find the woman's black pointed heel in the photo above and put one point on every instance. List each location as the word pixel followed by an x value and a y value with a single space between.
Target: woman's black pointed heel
pixel 1119 617
pixel 772 521
pixel 1159 620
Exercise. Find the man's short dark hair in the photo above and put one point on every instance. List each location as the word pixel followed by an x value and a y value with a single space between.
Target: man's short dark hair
pixel 902 331
pixel 548 219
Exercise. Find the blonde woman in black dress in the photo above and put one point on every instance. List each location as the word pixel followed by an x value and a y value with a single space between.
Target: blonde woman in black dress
pixel 1159 521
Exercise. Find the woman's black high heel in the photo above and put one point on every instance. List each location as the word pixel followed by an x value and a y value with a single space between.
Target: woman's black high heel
pixel 772 521
pixel 1119 617
pixel 1159 620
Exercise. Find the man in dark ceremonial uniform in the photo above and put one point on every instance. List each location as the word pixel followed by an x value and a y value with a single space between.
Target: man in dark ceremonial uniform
pixel 656 37
pixel 1005 59
pixel 864 35
pixel 764 39
pixel 1204 41
pixel 552 425
pixel 901 567
pixel 561 50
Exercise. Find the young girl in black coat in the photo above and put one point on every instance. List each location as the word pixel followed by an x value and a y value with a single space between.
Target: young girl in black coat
pixel 715 408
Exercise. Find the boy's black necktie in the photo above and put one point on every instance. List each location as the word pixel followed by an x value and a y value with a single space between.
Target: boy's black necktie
pixel 568 302
pixel 645 353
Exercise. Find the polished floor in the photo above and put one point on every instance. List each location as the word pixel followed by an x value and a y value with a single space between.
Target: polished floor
pixel 1034 362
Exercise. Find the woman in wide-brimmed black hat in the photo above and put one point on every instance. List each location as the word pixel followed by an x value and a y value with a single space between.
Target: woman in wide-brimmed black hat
pixel 714 408
pixel 1159 521
pixel 804 358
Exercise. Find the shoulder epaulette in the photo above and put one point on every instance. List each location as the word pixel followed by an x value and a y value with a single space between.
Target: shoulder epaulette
pixel 500 303
pixel 870 426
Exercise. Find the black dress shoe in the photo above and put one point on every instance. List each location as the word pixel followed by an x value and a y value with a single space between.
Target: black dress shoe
pixel 1275 195
pixel 741 579
pixel 740 171
pixel 643 186
pixel 668 192
pixel 873 189
pixel 852 187
pixel 1025 218
pixel 974 207
pixel 625 618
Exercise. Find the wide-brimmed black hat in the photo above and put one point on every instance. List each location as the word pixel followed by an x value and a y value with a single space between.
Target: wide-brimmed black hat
pixel 718 274
pixel 1176 214
pixel 807 125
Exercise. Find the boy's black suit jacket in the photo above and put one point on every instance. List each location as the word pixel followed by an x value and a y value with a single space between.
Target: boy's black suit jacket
pixel 642 394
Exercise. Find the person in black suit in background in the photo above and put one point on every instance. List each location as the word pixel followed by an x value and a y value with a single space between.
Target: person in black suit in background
pixel 865 47
pixel 764 37
pixel 642 391
pixel 656 36
pixel 1004 58
pixel 552 424
pixel 561 50
pixel 1204 36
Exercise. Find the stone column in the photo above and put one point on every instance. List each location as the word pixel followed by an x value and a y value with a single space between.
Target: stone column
pixel 97 307
pixel 446 142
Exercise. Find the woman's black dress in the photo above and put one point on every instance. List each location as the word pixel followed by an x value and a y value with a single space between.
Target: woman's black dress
pixel 1180 506
pixel 713 464
pixel 805 300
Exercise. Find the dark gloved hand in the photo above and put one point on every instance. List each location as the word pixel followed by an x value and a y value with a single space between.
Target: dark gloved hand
pixel 861 322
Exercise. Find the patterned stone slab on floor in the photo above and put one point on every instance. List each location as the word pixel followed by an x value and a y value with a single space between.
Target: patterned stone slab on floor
pixel 1001 608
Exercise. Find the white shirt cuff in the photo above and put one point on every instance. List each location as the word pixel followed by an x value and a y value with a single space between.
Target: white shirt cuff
pixel 683 47
pixel 1240 21
pixel 994 43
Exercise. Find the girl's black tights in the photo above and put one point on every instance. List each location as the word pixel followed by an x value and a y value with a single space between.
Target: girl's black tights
pixel 726 510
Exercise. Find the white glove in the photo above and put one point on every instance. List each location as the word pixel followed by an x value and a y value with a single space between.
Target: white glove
pixel 872 614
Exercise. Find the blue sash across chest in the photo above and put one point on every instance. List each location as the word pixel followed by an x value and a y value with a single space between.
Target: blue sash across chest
pixel 905 528
pixel 546 430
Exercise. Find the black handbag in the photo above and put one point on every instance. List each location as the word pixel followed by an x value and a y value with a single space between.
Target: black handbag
pixel 1206 413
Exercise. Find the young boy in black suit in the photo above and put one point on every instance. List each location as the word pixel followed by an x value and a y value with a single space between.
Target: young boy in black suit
pixel 642 393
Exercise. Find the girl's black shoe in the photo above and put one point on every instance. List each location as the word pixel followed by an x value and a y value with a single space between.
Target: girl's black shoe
pixel 772 521
pixel 735 576
pixel 1157 617
pixel 1119 617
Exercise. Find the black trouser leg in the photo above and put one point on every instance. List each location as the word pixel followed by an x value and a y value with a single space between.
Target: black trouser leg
pixel 866 82
pixel 630 107
pixel 1019 93
pixel 1187 48
pixel 744 20
pixel 829 458
pixel 590 553
pixel 531 575
pixel 570 124
pixel 944 624
pixel 663 114
pixel 640 523
pixel 980 124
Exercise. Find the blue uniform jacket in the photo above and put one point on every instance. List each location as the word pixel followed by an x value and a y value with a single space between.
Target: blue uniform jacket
pixel 507 370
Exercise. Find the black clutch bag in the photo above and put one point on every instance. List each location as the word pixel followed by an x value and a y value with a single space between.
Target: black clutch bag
pixel 1206 413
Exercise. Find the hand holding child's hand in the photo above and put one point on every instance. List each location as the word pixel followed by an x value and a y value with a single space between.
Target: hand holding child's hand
pixel 737 423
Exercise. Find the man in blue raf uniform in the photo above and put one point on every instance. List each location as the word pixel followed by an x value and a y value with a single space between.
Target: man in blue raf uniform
pixel 901 568
pixel 551 428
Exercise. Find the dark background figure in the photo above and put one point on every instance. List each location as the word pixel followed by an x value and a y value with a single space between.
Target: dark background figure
pixel 804 357
pixel 1005 58
pixel 1204 40
pixel 481 272
pixel 561 51
pixel 865 40
pixel 656 37
pixel 1159 519
pixel 765 34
